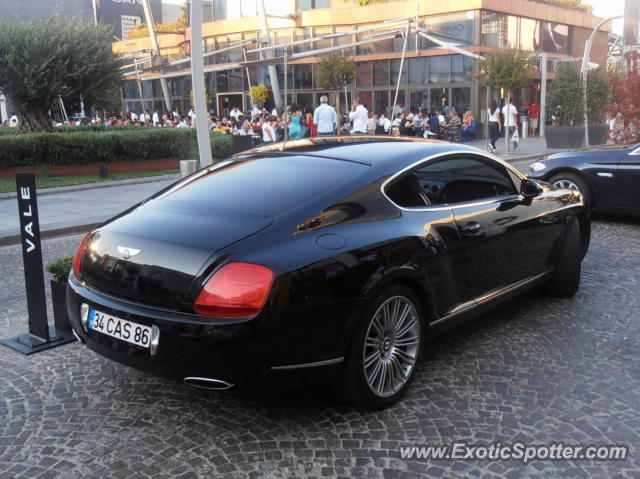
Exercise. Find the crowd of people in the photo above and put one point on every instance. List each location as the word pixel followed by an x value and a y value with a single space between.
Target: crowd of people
pixel 266 126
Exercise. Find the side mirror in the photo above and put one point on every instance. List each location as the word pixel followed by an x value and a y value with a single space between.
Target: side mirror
pixel 530 188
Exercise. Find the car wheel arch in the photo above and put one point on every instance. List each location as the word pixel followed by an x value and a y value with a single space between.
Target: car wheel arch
pixel 580 174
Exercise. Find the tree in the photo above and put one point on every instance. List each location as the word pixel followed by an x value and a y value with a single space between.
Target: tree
pixel 508 69
pixel 625 101
pixel 51 58
pixel 336 71
pixel 260 93
pixel 179 26
pixel 566 92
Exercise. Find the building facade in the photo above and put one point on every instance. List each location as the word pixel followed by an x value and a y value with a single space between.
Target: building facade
pixel 431 75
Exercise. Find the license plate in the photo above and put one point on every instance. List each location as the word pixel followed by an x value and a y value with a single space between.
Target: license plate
pixel 128 331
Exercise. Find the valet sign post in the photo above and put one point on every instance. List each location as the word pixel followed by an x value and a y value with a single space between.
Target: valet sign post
pixel 40 336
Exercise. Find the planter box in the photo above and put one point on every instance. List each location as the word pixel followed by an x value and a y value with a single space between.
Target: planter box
pixel 568 137
pixel 59 299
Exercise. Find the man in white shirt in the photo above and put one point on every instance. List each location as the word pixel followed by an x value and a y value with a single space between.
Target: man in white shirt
pixel 510 114
pixel 268 132
pixel 255 111
pixel 156 118
pixel 325 118
pixel 359 116
pixel 385 122
pixel 235 113
pixel 274 112
pixel 192 115
pixel 134 116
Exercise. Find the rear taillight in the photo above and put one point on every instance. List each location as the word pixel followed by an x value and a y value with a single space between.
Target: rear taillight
pixel 77 260
pixel 235 290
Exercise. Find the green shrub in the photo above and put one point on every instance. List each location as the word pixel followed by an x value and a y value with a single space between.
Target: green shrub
pixel 8 131
pixel 221 145
pixel 60 268
pixel 89 147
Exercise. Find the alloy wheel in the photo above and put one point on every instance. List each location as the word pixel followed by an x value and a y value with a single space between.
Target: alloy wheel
pixel 566 184
pixel 391 346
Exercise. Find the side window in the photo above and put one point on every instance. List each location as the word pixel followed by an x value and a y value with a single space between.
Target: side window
pixel 462 179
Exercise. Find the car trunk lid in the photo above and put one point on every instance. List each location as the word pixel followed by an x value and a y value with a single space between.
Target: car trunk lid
pixel 153 253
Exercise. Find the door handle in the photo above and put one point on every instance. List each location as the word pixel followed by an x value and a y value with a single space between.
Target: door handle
pixel 472 229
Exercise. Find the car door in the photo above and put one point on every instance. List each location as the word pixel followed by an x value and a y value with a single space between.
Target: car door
pixel 506 238
pixel 627 179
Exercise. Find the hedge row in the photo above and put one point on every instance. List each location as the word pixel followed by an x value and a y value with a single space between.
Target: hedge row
pixel 88 147
pixel 76 129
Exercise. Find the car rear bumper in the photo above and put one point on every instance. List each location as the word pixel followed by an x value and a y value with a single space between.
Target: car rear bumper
pixel 244 354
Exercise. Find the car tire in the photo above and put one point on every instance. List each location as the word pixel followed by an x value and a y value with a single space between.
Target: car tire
pixel 565 279
pixel 574 182
pixel 382 358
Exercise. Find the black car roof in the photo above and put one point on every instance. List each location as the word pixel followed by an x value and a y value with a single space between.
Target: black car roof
pixel 384 154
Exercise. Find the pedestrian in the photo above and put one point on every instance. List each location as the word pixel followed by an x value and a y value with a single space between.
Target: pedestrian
pixel 235 113
pixel 268 132
pixel 495 125
pixel 295 122
pixel 371 125
pixel 385 123
pixel 192 115
pixel 534 114
pixel 359 116
pixel 308 121
pixel 156 118
pixel 325 118
pixel 510 113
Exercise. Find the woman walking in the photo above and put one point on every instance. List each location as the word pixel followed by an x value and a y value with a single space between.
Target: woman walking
pixel 495 126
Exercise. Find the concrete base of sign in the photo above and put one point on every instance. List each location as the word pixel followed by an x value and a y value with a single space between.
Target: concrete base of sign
pixel 187 167
pixel 30 343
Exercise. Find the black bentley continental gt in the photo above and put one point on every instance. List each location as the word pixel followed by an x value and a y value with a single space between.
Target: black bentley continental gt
pixel 322 260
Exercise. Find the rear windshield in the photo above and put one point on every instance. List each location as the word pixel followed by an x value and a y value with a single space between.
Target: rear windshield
pixel 268 185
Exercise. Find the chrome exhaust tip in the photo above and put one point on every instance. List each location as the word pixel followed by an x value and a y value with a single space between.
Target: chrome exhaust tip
pixel 207 383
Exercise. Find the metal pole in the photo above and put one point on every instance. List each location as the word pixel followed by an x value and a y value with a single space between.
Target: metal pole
pixel 244 56
pixel 486 126
pixel 157 59
pixel 583 73
pixel 286 114
pixel 266 39
pixel 135 62
pixel 395 98
pixel 543 94
pixel 197 81
pixel 95 12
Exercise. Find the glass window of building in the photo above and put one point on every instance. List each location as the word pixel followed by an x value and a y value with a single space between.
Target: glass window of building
pixel 235 55
pixel 555 38
pixel 494 29
pixel 235 80
pixel 418 71
pixel 380 46
pixel 220 9
pixel 303 34
pixel 222 81
pixel 304 99
pixel 395 71
pixel 456 28
pixel 439 97
pixel 529 34
pixel 365 97
pixel 280 37
pixel 207 11
pixel 303 76
pixel 381 101
pixel 223 57
pixel 512 32
pixel 363 76
pixel 344 40
pixel 461 99
pixel 461 68
pixel 381 73
pixel 440 69
pixel 401 106
pixel 419 100
pixel 130 89
pixel 319 31
pixel 310 4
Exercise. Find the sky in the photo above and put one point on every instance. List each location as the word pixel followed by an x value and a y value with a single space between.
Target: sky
pixel 608 8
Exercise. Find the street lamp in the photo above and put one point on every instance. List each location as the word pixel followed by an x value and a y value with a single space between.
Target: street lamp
pixel 583 73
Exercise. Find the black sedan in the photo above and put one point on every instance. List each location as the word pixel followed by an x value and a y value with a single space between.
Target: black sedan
pixel 325 260
pixel 608 179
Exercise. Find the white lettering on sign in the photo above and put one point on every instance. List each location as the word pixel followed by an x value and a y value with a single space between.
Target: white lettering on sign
pixel 130 2
pixel 28 212
pixel 25 193
pixel 28 229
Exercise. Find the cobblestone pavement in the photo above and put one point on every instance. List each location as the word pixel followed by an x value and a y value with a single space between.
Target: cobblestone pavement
pixel 537 370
